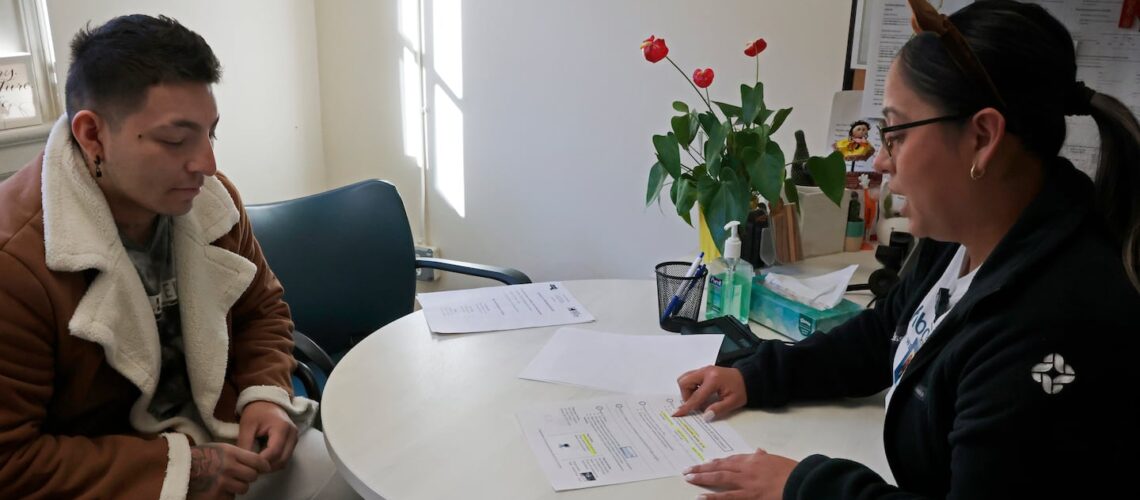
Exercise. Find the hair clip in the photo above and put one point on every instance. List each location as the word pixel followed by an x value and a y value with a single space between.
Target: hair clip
pixel 926 18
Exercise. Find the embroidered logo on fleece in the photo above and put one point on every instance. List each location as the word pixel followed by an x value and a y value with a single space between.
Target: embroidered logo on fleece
pixel 1053 373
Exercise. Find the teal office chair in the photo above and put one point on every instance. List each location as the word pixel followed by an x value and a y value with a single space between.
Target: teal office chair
pixel 348 265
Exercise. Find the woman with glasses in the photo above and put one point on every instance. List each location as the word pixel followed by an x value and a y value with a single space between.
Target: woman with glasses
pixel 1007 354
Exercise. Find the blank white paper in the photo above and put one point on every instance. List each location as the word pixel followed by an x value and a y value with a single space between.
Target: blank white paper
pixel 631 364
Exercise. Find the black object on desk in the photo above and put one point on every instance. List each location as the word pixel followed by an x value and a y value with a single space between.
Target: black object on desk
pixel 671 278
pixel 894 256
pixel 739 341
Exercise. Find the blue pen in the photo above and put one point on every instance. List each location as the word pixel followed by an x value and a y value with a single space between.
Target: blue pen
pixel 701 272
pixel 685 290
pixel 676 301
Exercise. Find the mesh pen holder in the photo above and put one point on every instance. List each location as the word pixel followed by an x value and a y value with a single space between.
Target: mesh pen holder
pixel 670 279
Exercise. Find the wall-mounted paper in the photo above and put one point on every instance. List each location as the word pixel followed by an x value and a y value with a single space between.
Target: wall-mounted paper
pixel 890 28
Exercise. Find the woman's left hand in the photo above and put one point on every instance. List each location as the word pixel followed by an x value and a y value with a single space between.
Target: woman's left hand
pixel 757 475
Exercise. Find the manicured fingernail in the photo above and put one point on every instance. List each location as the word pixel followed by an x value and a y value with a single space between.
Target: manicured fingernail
pixel 688 470
pixel 708 415
pixel 702 497
pixel 690 477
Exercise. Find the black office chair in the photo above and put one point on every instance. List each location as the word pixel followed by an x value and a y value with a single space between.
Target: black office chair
pixel 348 265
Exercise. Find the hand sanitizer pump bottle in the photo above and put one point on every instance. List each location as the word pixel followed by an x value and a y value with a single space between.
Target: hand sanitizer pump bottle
pixel 730 281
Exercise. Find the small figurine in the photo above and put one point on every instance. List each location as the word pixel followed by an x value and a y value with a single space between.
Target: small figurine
pixel 856 147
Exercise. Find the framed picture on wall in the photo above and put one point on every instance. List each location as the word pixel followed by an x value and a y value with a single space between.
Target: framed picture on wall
pixel 19 106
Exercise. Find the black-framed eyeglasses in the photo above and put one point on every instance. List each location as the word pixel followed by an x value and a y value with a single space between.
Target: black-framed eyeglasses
pixel 888 143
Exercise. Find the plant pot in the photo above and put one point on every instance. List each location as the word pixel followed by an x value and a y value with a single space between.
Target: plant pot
pixel 823 224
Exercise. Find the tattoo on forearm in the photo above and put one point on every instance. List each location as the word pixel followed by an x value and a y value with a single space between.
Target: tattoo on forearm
pixel 206 463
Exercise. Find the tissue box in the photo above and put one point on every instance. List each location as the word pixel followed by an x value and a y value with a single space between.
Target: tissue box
pixel 793 319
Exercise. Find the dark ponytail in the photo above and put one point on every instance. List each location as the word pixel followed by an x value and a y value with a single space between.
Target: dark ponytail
pixel 1029 55
pixel 1118 176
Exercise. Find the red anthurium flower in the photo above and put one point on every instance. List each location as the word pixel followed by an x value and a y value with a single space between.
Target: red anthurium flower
pixel 755 47
pixel 655 49
pixel 703 77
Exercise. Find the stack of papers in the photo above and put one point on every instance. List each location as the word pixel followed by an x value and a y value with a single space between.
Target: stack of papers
pixel 502 308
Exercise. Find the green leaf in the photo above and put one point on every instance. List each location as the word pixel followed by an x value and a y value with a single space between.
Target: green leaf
pixel 657 176
pixel 686 197
pixel 682 129
pixel 781 115
pixel 694 124
pixel 728 109
pixel 668 153
pixel 700 171
pixel 681 106
pixel 752 100
pixel 762 117
pixel 745 139
pixel 750 158
pixel 830 175
pixel 727 200
pixel 707 187
pixel 792 194
pixel 709 122
pixel 768 175
pixel 714 146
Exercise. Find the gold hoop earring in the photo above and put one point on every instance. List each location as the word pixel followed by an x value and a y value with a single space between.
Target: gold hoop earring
pixel 975 174
pixel 98 171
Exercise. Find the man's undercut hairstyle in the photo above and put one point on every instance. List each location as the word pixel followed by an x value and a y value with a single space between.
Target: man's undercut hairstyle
pixel 113 65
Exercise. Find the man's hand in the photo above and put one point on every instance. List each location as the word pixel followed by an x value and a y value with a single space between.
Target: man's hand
pixel 697 386
pixel 219 470
pixel 755 476
pixel 262 419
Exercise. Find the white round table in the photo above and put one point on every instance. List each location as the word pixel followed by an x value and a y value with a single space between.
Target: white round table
pixel 410 414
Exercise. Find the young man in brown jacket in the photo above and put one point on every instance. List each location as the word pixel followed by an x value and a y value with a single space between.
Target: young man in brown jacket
pixel 145 351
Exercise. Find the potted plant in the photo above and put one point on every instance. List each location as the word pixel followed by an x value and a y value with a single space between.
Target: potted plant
pixel 721 162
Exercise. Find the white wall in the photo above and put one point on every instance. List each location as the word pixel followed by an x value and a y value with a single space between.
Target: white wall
pixel 360 50
pixel 270 133
pixel 15 156
pixel 559 105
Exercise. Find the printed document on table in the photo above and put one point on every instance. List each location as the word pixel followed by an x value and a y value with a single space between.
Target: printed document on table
pixel 616 440
pixel 502 308
pixel 632 364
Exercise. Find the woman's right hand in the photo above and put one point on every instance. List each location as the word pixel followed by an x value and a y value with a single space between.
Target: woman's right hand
pixel 698 386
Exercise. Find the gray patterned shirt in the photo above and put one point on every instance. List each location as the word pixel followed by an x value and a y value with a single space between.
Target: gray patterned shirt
pixel 155 265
